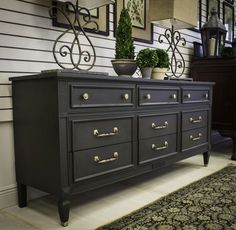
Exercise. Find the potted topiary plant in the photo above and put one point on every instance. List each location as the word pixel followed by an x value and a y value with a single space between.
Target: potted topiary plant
pixel 162 66
pixel 124 63
pixel 146 60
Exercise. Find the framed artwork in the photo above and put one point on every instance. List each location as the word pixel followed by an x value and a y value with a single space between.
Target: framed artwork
pixel 228 20
pixel 99 15
pixel 137 12
pixel 199 20
pixel 209 5
pixel 142 30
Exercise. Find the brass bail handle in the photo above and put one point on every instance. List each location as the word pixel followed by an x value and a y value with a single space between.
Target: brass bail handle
pixel 97 134
pixel 192 138
pixel 154 126
pixel 114 158
pixel 165 146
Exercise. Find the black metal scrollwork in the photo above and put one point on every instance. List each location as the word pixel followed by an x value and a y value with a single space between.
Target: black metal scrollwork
pixel 80 56
pixel 177 63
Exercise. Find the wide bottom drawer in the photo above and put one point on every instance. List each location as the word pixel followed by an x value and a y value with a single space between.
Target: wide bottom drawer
pixel 194 138
pixel 94 162
pixel 154 148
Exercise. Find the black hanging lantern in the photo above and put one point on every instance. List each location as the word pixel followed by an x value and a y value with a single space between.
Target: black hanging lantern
pixel 213 35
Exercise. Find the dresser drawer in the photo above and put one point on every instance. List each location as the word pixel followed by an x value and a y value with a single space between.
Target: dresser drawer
pixel 194 119
pixel 193 138
pixel 191 95
pixel 158 125
pixel 95 133
pixel 100 96
pixel 154 148
pixel 158 96
pixel 98 161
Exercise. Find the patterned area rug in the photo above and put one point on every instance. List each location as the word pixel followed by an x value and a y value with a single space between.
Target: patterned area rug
pixel 209 203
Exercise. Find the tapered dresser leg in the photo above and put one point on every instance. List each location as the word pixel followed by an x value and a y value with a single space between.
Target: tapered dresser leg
pixel 233 157
pixel 22 195
pixel 64 210
pixel 206 157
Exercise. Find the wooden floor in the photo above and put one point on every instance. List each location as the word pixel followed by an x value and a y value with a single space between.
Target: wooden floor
pixel 95 208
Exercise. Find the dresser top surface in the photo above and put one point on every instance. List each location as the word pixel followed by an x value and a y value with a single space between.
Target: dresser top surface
pixel 83 75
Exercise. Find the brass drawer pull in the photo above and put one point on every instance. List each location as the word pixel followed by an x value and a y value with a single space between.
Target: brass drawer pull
pixel 174 96
pixel 96 133
pixel 188 95
pixel 85 96
pixel 114 158
pixel 125 96
pixel 154 126
pixel 195 138
pixel 148 96
pixel 165 146
pixel 192 120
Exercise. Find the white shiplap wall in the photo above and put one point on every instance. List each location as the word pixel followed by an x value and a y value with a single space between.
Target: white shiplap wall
pixel 26 40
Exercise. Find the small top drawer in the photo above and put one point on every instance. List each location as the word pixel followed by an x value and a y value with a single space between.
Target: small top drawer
pixel 194 119
pixel 158 125
pixel 95 133
pixel 158 96
pixel 193 95
pixel 100 96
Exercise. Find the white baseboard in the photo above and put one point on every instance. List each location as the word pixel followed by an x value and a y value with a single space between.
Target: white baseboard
pixel 8 196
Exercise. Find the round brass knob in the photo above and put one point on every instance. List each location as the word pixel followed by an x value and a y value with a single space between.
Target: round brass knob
pixel 206 95
pixel 188 95
pixel 174 96
pixel 148 96
pixel 85 96
pixel 126 96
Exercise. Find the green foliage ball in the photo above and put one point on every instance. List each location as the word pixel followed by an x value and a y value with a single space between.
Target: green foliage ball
pixel 147 58
pixel 164 60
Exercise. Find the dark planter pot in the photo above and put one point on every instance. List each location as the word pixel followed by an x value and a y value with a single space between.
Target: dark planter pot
pixel 146 72
pixel 124 67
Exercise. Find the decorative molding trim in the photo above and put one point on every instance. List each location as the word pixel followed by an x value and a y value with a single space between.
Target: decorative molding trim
pixel 8 196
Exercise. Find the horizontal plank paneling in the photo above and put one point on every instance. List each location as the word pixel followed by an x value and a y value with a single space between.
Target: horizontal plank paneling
pixel 5 102
pixel 5 90
pixel 27 37
pixel 6 115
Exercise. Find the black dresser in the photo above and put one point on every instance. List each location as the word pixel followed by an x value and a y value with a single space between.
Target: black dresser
pixel 79 131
